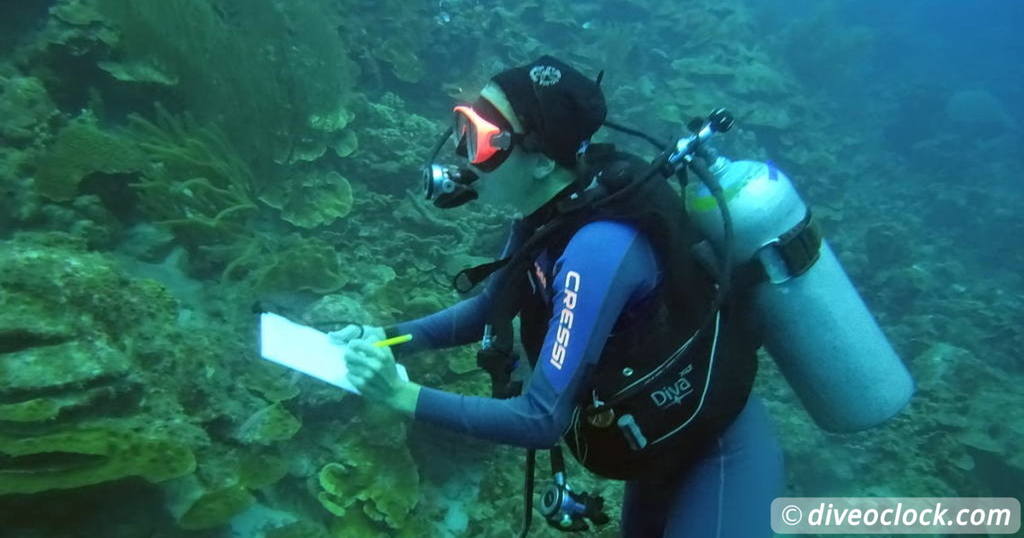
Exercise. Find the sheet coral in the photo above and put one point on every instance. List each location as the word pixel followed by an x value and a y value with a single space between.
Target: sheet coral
pixel 372 482
pixel 84 457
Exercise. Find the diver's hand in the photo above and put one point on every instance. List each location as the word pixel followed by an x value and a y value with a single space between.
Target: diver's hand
pixel 372 371
pixel 353 332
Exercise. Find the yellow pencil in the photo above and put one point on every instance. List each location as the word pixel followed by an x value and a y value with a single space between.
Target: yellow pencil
pixel 393 341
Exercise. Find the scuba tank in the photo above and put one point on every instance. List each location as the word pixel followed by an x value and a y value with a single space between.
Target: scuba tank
pixel 814 323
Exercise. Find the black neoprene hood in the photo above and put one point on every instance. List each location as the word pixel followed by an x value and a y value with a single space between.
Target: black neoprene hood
pixel 555 101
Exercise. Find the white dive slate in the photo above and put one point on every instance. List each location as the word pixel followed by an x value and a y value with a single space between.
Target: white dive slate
pixel 307 350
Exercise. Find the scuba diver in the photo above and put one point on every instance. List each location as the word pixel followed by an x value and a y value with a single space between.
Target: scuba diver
pixel 642 344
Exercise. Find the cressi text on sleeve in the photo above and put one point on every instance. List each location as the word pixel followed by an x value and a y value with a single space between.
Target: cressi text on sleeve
pixel 606 267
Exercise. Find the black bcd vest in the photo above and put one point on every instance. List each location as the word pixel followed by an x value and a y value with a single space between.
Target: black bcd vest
pixel 677 409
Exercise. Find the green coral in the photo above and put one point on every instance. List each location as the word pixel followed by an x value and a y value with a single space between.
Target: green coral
pixel 198 182
pixel 332 122
pixel 79 28
pixel 76 13
pixel 83 148
pixel 377 480
pixel 330 476
pixel 292 262
pixel 34 410
pixel 276 64
pixel 54 291
pixel 216 508
pixel 81 458
pixel 399 42
pixel 369 487
pixel 140 72
pixel 406 66
pixel 260 470
pixel 71 326
pixel 326 130
pixel 392 139
pixel 269 425
pixel 311 199
pixel 40 365
pixel 266 379
pixel 63 319
pixel 740 74
pixel 26 109
pixel 347 144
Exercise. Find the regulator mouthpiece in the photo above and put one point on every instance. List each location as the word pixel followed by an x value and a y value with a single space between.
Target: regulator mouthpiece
pixel 448 186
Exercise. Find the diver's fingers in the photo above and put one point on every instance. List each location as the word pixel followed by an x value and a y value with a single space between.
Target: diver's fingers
pixel 358 369
pixel 368 362
pixel 346 334
pixel 374 333
pixel 362 346
pixel 370 386
pixel 361 363
pixel 357 381
pixel 383 355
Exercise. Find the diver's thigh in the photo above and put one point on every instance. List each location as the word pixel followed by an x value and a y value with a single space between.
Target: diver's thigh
pixel 644 508
pixel 728 493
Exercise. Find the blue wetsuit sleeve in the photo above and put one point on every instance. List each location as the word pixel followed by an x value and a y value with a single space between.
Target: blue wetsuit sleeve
pixel 606 266
pixel 459 324
pixel 456 325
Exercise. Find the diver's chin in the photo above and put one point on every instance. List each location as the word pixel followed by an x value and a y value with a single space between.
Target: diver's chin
pixel 493 199
pixel 485 187
pixel 485 198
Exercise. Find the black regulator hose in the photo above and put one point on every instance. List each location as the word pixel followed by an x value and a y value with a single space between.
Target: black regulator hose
pixel 440 143
pixel 531 459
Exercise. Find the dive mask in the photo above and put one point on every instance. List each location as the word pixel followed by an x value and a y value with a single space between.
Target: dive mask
pixel 485 144
pixel 484 138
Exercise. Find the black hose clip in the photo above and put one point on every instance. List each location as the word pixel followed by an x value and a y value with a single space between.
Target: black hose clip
pixel 500 364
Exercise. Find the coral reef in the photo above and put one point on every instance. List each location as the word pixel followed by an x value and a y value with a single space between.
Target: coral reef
pixel 84 457
pixel 283 263
pixel 393 143
pixel 67 366
pixel 196 180
pixel 268 426
pixel 312 198
pixel 373 488
pixel 260 470
pixel 216 508
pixel 83 148
pixel 26 108
pixel 297 42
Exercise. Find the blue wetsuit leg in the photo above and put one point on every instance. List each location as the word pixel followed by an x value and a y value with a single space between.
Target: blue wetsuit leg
pixel 727 493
